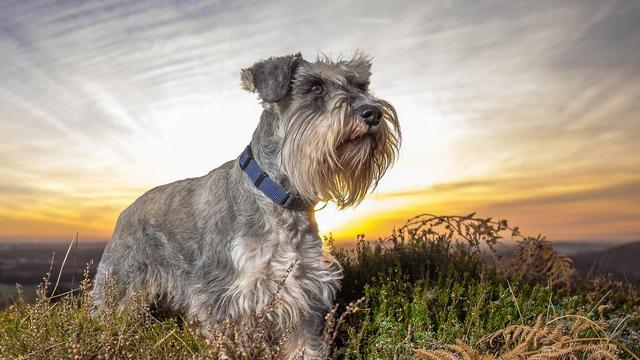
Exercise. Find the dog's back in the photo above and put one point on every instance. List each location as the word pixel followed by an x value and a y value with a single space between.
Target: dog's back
pixel 160 237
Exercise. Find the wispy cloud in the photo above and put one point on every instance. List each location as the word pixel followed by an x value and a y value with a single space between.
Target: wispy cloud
pixel 561 210
pixel 494 97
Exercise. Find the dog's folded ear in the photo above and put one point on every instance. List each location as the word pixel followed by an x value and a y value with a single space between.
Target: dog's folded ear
pixel 271 78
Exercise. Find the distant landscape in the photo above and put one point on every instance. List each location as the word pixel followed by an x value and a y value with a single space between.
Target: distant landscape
pixel 27 263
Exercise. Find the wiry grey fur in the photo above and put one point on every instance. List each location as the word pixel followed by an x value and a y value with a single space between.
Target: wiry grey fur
pixel 215 246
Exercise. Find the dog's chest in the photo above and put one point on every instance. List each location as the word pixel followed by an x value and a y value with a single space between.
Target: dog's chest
pixel 286 266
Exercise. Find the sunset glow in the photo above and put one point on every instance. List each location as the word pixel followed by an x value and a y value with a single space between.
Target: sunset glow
pixel 527 112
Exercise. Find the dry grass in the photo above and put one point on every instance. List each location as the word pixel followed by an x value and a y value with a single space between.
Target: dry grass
pixel 61 326
pixel 571 337
pixel 425 286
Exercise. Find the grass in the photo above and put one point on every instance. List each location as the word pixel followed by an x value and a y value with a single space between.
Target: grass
pixel 426 291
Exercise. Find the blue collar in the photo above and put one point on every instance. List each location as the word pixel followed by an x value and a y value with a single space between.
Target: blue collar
pixel 270 188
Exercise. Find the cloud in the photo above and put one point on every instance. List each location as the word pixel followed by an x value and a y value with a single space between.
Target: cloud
pixel 606 43
pixel 17 190
pixel 560 211
pixel 103 96
pixel 628 192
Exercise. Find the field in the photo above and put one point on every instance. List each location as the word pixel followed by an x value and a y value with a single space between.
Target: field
pixel 437 288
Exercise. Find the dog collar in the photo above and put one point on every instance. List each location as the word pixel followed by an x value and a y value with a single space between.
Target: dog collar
pixel 270 188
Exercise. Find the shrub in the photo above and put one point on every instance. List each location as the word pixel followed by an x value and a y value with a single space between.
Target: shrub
pixel 425 291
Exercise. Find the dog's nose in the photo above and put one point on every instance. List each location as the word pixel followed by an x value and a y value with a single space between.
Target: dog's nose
pixel 370 114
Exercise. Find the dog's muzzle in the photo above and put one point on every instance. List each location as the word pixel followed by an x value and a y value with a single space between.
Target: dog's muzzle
pixel 369 114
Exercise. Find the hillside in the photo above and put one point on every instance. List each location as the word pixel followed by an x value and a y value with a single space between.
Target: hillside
pixel 622 261
pixel 423 292
pixel 26 263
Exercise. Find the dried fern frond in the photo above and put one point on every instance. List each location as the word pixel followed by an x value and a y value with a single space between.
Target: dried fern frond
pixel 533 258
pixel 559 338
pixel 523 336
pixel 459 351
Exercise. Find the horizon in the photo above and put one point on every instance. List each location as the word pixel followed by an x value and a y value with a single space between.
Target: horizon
pixel 58 241
pixel 522 111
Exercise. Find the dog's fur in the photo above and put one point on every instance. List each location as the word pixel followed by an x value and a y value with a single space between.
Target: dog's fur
pixel 216 246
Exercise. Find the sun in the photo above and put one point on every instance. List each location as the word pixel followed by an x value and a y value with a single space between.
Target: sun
pixel 345 224
pixel 330 219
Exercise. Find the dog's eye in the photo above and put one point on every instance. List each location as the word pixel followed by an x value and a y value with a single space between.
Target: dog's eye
pixel 316 89
pixel 363 86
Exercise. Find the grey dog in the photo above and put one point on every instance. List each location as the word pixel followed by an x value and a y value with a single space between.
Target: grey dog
pixel 224 244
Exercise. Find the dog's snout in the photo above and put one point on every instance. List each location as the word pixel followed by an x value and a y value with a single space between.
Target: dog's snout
pixel 369 114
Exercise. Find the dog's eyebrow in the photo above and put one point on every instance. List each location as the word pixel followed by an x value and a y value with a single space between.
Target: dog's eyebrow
pixel 308 80
pixel 334 77
pixel 355 78
pixel 343 81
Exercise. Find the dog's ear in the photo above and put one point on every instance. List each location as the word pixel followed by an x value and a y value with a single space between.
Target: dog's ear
pixel 271 78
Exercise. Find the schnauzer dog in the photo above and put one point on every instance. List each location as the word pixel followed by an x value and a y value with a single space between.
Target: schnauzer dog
pixel 225 244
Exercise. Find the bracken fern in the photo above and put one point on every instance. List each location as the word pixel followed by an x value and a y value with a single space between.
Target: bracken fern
pixel 556 339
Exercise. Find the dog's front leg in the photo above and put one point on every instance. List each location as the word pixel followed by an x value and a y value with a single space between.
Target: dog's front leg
pixel 305 340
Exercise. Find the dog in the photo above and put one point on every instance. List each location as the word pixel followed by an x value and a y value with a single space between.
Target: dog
pixel 224 244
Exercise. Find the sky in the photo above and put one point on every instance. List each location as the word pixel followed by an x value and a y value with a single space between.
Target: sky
pixel 524 110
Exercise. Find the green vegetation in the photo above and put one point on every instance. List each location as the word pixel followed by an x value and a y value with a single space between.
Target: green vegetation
pixel 426 291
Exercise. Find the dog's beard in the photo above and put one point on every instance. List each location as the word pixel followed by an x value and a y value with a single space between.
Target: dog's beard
pixel 333 156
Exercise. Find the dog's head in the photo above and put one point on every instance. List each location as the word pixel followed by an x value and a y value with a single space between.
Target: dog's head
pixel 336 139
